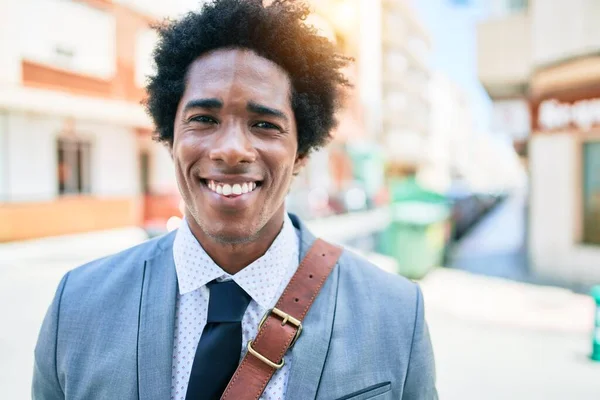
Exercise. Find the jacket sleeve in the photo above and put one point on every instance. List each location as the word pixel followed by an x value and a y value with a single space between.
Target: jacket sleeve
pixel 420 377
pixel 46 385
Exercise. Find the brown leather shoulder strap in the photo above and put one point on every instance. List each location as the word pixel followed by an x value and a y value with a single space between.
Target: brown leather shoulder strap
pixel 281 326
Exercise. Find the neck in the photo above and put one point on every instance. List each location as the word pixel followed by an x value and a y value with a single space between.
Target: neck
pixel 233 257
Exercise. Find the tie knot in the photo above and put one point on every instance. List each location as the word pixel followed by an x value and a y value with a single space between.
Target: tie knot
pixel 227 302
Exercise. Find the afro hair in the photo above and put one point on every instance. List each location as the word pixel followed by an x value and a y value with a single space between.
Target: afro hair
pixel 276 32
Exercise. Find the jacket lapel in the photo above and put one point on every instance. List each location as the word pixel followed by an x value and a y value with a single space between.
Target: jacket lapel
pixel 157 323
pixel 309 353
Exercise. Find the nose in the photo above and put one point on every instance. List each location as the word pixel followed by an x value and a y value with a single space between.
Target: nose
pixel 233 146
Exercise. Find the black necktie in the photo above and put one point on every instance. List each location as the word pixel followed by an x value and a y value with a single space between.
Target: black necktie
pixel 220 347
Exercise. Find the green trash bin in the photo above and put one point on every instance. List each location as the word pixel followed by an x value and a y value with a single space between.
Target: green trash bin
pixel 416 237
pixel 419 227
pixel 596 334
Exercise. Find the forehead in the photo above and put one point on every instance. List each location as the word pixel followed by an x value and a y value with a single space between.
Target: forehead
pixel 237 72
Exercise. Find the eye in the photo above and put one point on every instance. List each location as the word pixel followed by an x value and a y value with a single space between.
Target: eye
pixel 266 125
pixel 203 119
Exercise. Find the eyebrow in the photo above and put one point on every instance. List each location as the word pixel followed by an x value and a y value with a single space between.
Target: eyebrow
pixel 204 103
pixel 264 110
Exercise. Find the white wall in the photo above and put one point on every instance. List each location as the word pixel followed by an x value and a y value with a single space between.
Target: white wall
pixel 144 64
pixel 564 29
pixel 504 49
pixel 161 8
pixel 10 61
pixel 46 102
pixel 84 40
pixel 445 103
pixel 553 211
pixel 3 156
pixel 32 156
pixel 115 164
pixel 162 172
pixel 370 65
pixel 511 117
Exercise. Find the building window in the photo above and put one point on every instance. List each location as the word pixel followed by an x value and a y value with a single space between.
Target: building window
pixel 145 172
pixel 74 160
pixel 591 193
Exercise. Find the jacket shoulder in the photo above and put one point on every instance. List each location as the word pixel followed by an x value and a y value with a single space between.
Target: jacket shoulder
pixel 366 279
pixel 114 272
pixel 369 293
pixel 131 257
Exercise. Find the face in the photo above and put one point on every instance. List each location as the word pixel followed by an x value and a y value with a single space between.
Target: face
pixel 235 145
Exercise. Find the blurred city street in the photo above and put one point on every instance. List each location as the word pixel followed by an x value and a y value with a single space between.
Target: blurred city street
pixel 493 339
pixel 466 157
pixel 496 245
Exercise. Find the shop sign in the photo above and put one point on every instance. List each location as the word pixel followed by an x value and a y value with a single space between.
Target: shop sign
pixel 582 114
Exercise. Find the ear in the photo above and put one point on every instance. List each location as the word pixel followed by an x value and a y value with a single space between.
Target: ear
pixel 300 162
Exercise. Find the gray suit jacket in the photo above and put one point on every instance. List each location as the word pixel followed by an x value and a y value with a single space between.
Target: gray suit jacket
pixel 108 334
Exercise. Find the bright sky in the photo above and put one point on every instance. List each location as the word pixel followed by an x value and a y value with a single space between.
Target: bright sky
pixel 453 30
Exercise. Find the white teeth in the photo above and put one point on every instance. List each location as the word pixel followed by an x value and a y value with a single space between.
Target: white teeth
pixel 226 189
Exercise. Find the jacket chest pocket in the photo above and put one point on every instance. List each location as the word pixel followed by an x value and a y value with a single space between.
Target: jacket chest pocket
pixel 370 393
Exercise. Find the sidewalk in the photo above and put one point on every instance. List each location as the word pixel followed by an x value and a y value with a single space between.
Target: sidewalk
pixel 77 248
pixel 498 339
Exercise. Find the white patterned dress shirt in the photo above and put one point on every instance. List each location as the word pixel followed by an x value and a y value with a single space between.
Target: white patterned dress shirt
pixel 264 280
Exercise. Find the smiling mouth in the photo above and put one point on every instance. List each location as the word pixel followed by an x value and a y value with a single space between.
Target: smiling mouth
pixel 231 190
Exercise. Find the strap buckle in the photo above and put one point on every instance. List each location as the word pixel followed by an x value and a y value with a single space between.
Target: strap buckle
pixel 285 319
pixel 263 358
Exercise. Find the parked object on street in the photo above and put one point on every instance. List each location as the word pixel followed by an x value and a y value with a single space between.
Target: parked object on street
pixel 596 336
pixel 417 235
pixel 468 208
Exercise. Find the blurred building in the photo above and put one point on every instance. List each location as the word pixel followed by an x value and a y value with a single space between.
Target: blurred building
pixel 331 167
pixel 74 139
pixel 75 143
pixel 504 61
pixel 539 63
pixel 459 154
pixel 404 85
pixel 449 146
pixel 392 49
pixel 388 111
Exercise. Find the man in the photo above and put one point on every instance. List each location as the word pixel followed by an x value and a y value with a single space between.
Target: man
pixel 242 94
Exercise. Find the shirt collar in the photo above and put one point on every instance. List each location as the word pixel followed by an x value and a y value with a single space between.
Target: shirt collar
pixel 261 279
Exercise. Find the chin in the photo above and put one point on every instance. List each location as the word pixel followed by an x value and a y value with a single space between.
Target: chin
pixel 228 233
pixel 231 237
